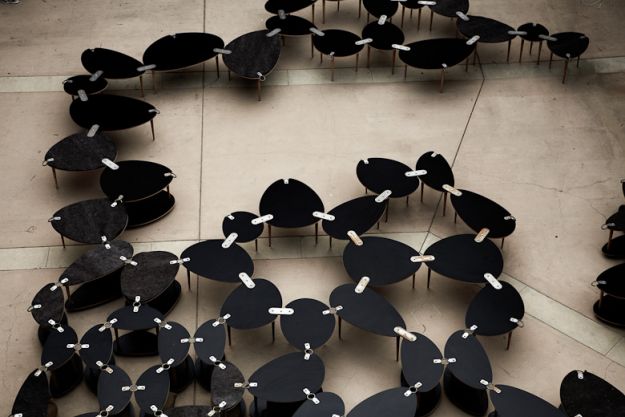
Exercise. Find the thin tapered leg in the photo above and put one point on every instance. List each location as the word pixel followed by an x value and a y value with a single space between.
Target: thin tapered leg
pixel 540 47
pixel 189 279
pixel 387 209
pixel 397 348
pixel 154 81
pixel 63 241
pixel 217 65
pixel 152 128
pixel 531 44
pixel 610 239
pixel 359 8
pixel 316 233
pixel 340 327
pixel 405 71
pixel 431 19
pixel 503 239
pixel 320 58
pixel 456 217
pixel 578 58
pixel 313 13
pixel 357 58
pixel 330 241
pixel 407 200
pixel 393 61
pixel 332 65
pixel 403 11
pixel 258 88
pixel 269 231
pixel 323 11
pixel 273 331
pixel 509 340
pixel 141 84
pixel 229 335
pixel 413 278
pixel 338 5
pixel 508 55
pixel 444 203
pixel 521 50
pixel 56 182
pixel 256 244
pixel 229 75
pixel 442 81
pixel 422 187
pixel 429 276
pixel 418 19
pixel 475 55
pixel 368 56
pixel 566 69
pixel 312 48
pixel 550 59
pixel 466 65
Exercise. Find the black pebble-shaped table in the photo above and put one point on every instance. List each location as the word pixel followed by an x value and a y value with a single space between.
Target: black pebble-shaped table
pixel 139 342
pixel 329 405
pixel 211 260
pixel 392 402
pixel 461 258
pixel 586 394
pixel 98 274
pixel 448 8
pixel 378 8
pixel 438 172
pixel 412 5
pixel 383 37
pixel 110 392
pixel 308 324
pixel 240 222
pixel 489 30
pixel 568 45
pixel 153 279
pixel 47 304
pixel 33 398
pixel 615 248
pixel 479 212
pixel 359 215
pixel 83 82
pixel 113 64
pixel 610 308
pixel 156 383
pixel 514 402
pixel 90 221
pixel 381 174
pixel 182 50
pixel 462 376
pixel 99 353
pixel 385 261
pixel 213 334
pixel 66 369
pixel 290 25
pixel 223 389
pixel 534 33
pixel 173 349
pixel 337 43
pixel 291 203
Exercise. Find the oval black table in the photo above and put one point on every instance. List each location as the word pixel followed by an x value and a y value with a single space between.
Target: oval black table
pixel 291 25
pixel 60 357
pixel 385 261
pixel 479 212
pixel 107 63
pixel 461 258
pixel 534 32
pixel 249 307
pixel 138 319
pixel 327 404
pixel 240 222
pixel 83 82
pixel 210 350
pixel 98 273
pixel 90 221
pixel 337 43
pixel 291 203
pixel 98 355
pixel 211 260
pixel 514 402
pixel 381 174
pixel 174 343
pixel 468 366
pixel 289 6
pixel 448 8
pixel 615 223
pixel 412 5
pixel 80 152
pixel 358 215
pixel 33 398
pixel 378 8
pixel 383 37
pixel 496 312
pixel 110 393
pixel 610 308
pixel 567 45
pixel 153 280
pixel 223 390
pixel 111 112
pixel 396 402
pixel 47 306
pixel 438 173
pixel 489 30
pixel 253 55
pixel 308 327
pixel 584 393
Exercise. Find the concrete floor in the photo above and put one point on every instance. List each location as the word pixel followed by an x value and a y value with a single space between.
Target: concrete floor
pixel 552 154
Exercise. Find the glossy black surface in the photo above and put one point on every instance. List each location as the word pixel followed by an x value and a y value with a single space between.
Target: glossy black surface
pixel 491 310
pixel 472 364
pixel 489 30
pixel 384 261
pixel 55 349
pixel 610 310
pixel 253 53
pixel 534 30
pixel 381 174
pixel 51 302
pixel 378 8
pixel 111 112
pixel 329 404
pixel 412 4
pixel 612 281
pixel 98 262
pixel 417 362
pixel 156 389
pixel 210 260
pixel 152 275
pixel 391 402
pixel 83 82
pixel 338 42
pixel 240 222
pixel 568 44
pixel 307 324
pixel 214 341
pixel 33 396
pixel 288 6
pixel 149 210
pixel 448 8
pixel 479 212
pixel 135 180
pixel 222 385
pixel 110 389
pixel 89 220
pixel 78 152
pixel 113 64
pixel 170 345
pixel 283 379
pixel 291 205
pixel 100 346
pixel 460 257
pixel 291 25
pixel 181 50
pixel 248 307
pixel 514 402
pixel 359 215
pixel 438 170
pixel 590 396
pixel 128 319
pixel 617 220
pixel 615 249
pixel 94 293
pixel 433 53
pixel 384 36
pixel 368 310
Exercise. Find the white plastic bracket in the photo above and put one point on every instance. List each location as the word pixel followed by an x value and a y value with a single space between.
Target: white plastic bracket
pixel 332 310
pixel 311 396
pixel 422 258
pixel 249 283
pixel 232 237
pixel 452 190
pixel 323 216
pixel 469 331
pixel 262 219
pixel 400 331
pixel 279 311
pixel 96 75
pixel 493 281
pixel 385 194
pixel 362 284
pixel 355 238
pixel 416 173
pixel 479 238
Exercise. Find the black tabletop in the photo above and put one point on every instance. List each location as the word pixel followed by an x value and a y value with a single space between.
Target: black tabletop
pixel 152 275
pixel 287 6
pixel 611 281
pixel 170 345
pixel 412 4
pixel 110 392
pixel 48 304
pixel 83 82
pixel 417 362
pixel 100 341
pixel 135 180
pixel 534 30
pixel 181 50
pixel 79 152
pixel 438 170
pixel 385 261
pixel 384 36
pixel 492 309
pixel 210 260
pixel 156 389
pixel 88 221
pixel 338 42
pixel 222 385
pixel 55 349
pixel 359 215
pixel 248 307
pixel 391 402
pixel 489 30
pixel 113 64
pixel 590 396
pixel 617 220
pixel 33 396
pixel 472 364
pixel 368 310
pixel 448 8
pixel 189 411
pixel 436 53
pixel 292 204
pixel 307 324
pixel 291 25
pixel 329 405
pixel 460 257
pixel 479 212
pixel 514 402
pixel 253 53
pixel 381 7
pixel 569 44
pixel 128 319
pixel 98 262
pixel 283 379
pixel 240 222
pixel 111 112
pixel 381 174
pixel 214 341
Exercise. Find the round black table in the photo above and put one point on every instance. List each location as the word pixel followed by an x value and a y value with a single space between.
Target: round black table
pixel 249 307
pixel 83 82
pixel 468 366
pixel 253 55
pixel 98 355
pixel 615 248
pixel 535 32
pixel 584 393
pixel 567 45
pixel 438 173
pixel 489 30
pixel 514 402
pixel 241 223
pixel 308 327
pixel 291 203
pixel 448 8
pixel 381 174
pixel 383 37
pixel 47 306
pixel 111 112
pixel 223 390
pixel 138 319
pixel 396 402
pixel 33 398
pixel 60 357
pixel 461 258
pixel 379 8
pixel 98 274
pixel 358 215
pixel 174 343
pixel 90 221
pixel 479 212
pixel 210 350
pixel 496 311
pixel 152 278
pixel 610 308
pixel 291 25
pixel 80 152
pixel 385 261
pixel 211 260
pixel 110 64
pixel 337 43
